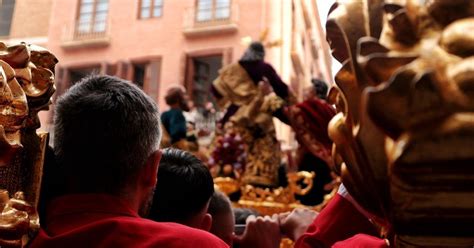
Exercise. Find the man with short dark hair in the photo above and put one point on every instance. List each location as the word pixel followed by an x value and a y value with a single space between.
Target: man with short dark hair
pixel 183 191
pixel 107 134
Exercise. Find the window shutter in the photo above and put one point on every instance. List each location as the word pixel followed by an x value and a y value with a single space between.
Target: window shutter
pixel 152 79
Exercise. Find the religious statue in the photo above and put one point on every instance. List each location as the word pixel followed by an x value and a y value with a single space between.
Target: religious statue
pixel 250 111
pixel 405 127
pixel 26 87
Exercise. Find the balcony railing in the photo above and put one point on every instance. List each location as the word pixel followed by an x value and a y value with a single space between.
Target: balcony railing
pixel 90 30
pixel 201 21
pixel 82 34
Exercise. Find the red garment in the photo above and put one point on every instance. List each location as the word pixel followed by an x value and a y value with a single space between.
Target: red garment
pixel 339 220
pixel 310 120
pixel 361 241
pixel 98 220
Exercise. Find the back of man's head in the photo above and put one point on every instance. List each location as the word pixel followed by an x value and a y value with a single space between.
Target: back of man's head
pixel 183 191
pixel 105 130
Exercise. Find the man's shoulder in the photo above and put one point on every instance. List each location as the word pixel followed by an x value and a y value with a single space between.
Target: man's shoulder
pixel 176 235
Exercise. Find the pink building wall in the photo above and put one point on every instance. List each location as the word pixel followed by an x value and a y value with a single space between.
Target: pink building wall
pixel 129 38
pixel 132 38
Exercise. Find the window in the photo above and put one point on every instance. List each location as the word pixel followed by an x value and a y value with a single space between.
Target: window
pixel 145 73
pixel 6 15
pixel 92 16
pixel 208 10
pixel 199 80
pixel 150 9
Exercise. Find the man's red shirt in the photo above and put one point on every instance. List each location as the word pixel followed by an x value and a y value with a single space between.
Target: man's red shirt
pixel 97 220
pixel 340 222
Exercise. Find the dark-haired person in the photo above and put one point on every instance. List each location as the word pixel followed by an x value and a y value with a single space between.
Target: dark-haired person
pixel 107 134
pixel 183 191
pixel 173 120
pixel 183 195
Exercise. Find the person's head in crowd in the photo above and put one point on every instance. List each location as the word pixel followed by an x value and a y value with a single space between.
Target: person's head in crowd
pixel 183 191
pixel 176 97
pixel 106 140
pixel 223 221
pixel 255 52
pixel 241 215
pixel 318 89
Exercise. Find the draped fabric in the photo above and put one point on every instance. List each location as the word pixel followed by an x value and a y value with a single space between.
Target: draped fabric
pixel 258 70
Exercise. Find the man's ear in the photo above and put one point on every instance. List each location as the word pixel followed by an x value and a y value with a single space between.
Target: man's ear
pixel 206 222
pixel 151 169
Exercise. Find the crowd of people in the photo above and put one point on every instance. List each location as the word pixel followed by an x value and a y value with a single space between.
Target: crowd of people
pixel 114 185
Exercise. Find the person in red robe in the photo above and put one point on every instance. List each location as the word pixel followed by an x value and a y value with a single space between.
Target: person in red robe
pixel 107 135
pixel 309 120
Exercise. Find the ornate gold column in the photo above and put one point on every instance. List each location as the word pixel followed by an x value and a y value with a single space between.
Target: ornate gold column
pixel 405 129
pixel 26 87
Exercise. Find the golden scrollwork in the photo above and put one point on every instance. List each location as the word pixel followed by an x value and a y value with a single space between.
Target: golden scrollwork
pixel 304 176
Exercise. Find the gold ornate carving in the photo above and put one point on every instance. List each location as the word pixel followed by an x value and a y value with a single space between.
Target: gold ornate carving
pixel 306 178
pixel 356 140
pixel 269 201
pixel 406 125
pixel 17 218
pixel 26 87
pixel 227 185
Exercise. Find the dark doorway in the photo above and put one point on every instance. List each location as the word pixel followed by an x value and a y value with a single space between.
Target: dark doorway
pixel 139 71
